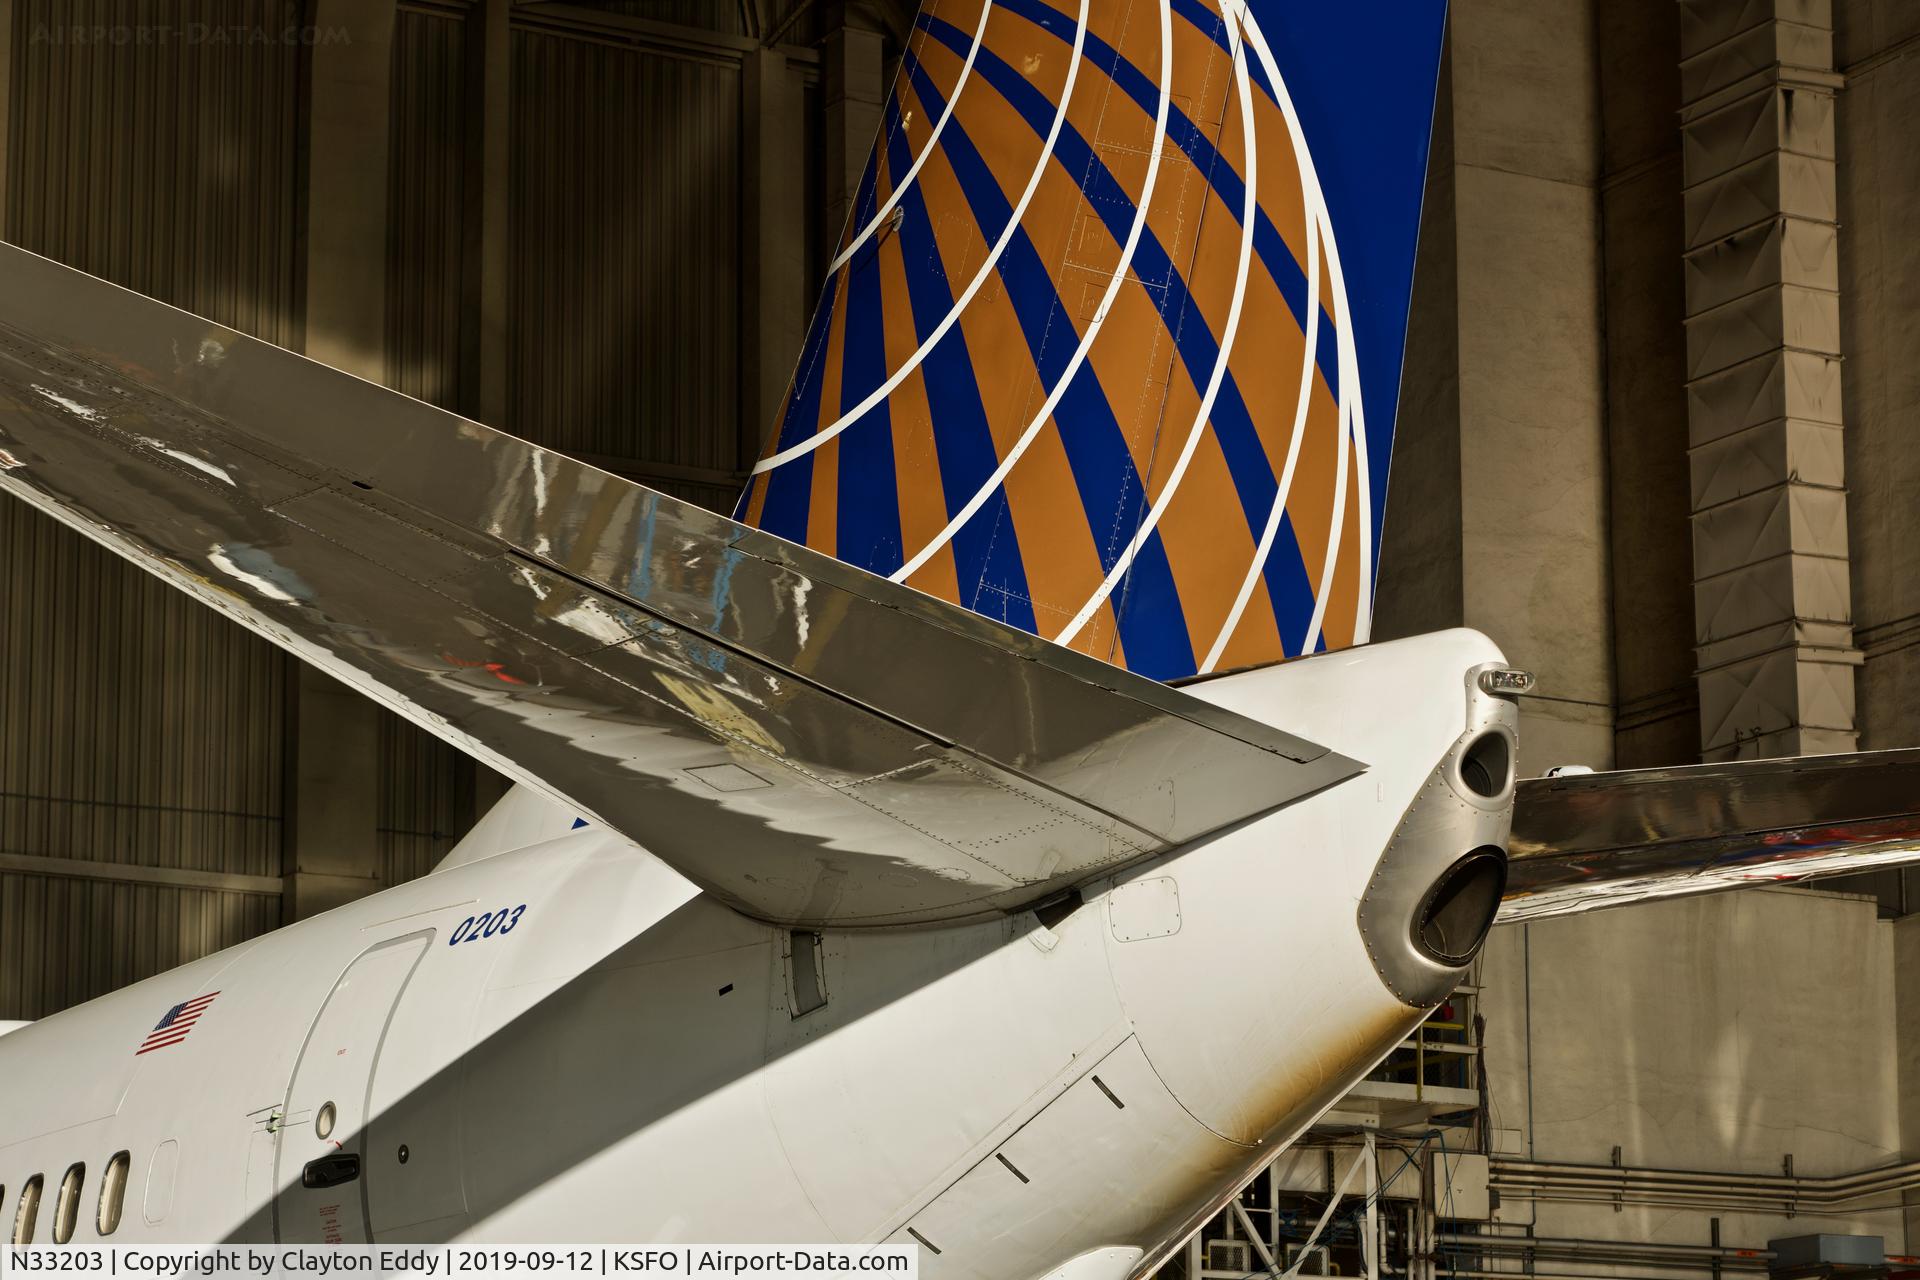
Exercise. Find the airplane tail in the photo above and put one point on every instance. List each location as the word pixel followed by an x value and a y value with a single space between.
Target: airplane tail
pixel 1110 349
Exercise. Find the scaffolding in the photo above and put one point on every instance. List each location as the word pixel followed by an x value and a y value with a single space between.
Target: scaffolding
pixel 1354 1196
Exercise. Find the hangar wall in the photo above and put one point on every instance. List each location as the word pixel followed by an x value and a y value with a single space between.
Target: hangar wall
pixel 1545 490
pixel 1714 1039
pixel 136 728
pixel 1876 44
pixel 426 193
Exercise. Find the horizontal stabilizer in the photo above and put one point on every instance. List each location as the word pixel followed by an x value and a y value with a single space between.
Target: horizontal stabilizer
pixel 812 743
pixel 1607 839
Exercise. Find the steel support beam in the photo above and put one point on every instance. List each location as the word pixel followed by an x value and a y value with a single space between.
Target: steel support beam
pixel 776 240
pixel 332 850
pixel 346 216
pixel 131 873
pixel 852 71
pixel 484 318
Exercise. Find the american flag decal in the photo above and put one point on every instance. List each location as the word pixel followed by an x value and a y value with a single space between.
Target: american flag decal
pixel 173 1028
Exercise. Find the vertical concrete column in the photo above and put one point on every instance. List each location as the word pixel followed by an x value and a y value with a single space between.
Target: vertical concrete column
pixel 1772 598
pixel 1879 176
pixel 1657 712
pixel 1505 526
pixel 776 233
pixel 852 75
pixel 484 319
pixel 347 147
pixel 332 853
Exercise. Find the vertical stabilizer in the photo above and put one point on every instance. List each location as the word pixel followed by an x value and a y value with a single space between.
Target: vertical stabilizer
pixel 1110 347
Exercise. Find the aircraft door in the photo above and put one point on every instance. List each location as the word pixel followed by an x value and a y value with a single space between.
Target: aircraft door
pixel 322 1196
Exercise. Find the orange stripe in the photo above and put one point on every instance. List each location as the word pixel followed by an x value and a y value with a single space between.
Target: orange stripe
pixel 1062 564
pixel 924 500
pixel 1279 187
pixel 1205 528
pixel 1058 553
pixel 1155 396
pixel 1257 639
pixel 916 459
pixel 1310 503
pixel 1211 537
pixel 823 507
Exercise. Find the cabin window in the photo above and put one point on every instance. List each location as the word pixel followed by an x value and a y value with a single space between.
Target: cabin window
pixel 29 1210
pixel 66 1210
pixel 113 1191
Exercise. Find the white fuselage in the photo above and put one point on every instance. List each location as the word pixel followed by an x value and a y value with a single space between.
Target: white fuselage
pixel 619 1056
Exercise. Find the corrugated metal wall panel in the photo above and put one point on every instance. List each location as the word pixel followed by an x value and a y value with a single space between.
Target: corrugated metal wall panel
pixel 714 497
pixel 426 196
pixel 625 230
pixel 135 725
pixel 69 940
pixel 154 143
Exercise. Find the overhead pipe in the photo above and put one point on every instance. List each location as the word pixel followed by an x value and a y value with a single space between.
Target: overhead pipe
pixel 1561 1244
pixel 1445 1274
pixel 1531 1250
pixel 1572 1183
pixel 1500 1167
pixel 1689 1266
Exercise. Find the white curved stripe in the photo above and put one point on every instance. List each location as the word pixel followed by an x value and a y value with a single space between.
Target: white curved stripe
pixel 1350 411
pixel 952 317
pixel 1314 208
pixel 900 187
pixel 1300 409
pixel 1060 386
pixel 1352 402
pixel 1362 598
pixel 1231 330
pixel 1334 529
pixel 1347 390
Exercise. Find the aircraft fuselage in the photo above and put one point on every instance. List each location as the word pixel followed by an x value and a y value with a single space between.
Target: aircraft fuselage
pixel 569 1041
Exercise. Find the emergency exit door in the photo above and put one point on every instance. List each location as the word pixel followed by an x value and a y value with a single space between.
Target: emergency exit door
pixel 320 1164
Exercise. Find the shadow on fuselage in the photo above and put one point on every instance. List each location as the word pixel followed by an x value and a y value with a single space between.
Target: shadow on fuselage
pixel 653 1033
